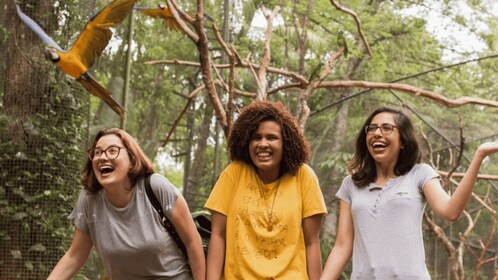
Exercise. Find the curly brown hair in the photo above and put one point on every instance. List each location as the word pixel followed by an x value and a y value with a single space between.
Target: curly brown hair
pixel 141 165
pixel 296 148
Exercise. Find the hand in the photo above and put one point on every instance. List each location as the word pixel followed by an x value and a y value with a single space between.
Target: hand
pixel 487 149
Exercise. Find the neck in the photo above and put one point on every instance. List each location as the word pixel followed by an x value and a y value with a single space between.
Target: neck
pixel 119 196
pixel 384 173
pixel 267 177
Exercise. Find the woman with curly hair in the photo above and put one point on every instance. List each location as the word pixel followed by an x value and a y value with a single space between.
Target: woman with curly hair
pixel 382 202
pixel 267 207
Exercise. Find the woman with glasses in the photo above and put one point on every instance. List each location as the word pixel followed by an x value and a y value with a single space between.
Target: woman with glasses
pixel 383 200
pixel 114 214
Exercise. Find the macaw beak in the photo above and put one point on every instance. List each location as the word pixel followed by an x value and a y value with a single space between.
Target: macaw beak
pixel 52 55
pixel 161 6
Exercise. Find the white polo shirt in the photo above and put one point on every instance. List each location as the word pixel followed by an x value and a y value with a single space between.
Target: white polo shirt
pixel 388 242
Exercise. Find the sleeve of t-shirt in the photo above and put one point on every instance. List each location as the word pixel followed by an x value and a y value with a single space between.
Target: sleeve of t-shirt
pixel 80 215
pixel 165 191
pixel 424 173
pixel 344 192
pixel 220 197
pixel 313 201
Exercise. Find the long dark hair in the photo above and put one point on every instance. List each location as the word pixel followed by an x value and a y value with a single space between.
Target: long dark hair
pixel 362 165
pixel 296 149
pixel 141 165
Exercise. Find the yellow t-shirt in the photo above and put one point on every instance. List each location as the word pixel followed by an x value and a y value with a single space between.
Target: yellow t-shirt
pixel 252 250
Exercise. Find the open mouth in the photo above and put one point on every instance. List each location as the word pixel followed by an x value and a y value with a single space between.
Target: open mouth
pixel 378 145
pixel 106 169
pixel 263 154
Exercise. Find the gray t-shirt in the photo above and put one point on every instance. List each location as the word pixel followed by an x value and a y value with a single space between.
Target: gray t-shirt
pixel 130 240
pixel 387 220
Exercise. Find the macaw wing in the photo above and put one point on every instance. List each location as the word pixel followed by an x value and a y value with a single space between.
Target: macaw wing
pixel 113 13
pixel 96 35
pixel 90 44
pixel 163 13
pixel 37 29
pixel 96 89
pixel 153 12
pixel 171 23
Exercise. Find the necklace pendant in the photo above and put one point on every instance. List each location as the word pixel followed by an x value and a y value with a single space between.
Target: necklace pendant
pixel 269 227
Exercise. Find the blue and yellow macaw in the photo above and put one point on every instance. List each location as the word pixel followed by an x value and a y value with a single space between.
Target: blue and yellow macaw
pixel 90 43
pixel 163 13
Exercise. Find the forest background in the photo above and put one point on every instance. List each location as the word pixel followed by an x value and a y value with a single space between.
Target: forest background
pixel 183 88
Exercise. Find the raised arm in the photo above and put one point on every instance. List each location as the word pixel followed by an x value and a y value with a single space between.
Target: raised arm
pixel 74 258
pixel 217 246
pixel 343 248
pixel 184 225
pixel 448 207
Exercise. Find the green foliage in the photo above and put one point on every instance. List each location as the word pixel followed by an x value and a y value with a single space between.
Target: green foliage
pixel 336 161
pixel 401 47
pixel 39 184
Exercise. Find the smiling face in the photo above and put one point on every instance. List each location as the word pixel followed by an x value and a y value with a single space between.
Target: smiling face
pixel 110 172
pixel 384 147
pixel 265 149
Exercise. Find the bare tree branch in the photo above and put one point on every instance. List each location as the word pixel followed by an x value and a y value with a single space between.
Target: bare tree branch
pixel 241 63
pixel 177 120
pixel 460 175
pixel 451 103
pixel 357 20
pixel 460 151
pixel 405 78
pixel 265 61
pixel 183 26
pixel 204 57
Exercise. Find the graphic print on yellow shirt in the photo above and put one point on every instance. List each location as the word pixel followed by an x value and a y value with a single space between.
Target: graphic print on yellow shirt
pixel 253 251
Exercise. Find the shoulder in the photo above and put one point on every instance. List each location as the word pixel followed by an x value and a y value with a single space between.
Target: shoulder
pixel 305 170
pixel 159 183
pixel 305 176
pixel 88 201
pixel 235 168
pixel 348 180
pixel 86 196
pixel 348 183
pixel 422 168
pixel 237 165
pixel 347 190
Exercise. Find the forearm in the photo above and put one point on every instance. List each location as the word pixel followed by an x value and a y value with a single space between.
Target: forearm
pixel 67 267
pixel 196 259
pixel 461 196
pixel 313 260
pixel 74 258
pixel 216 258
pixel 336 262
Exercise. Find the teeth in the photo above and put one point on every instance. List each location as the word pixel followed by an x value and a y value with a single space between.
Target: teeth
pixel 263 154
pixel 106 169
pixel 378 144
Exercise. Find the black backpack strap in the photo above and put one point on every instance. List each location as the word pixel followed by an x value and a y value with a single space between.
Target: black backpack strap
pixel 164 220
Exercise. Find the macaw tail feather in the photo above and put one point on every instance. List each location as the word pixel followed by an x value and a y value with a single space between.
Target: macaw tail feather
pixel 96 89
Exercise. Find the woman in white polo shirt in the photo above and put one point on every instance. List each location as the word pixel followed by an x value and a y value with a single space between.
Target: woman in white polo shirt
pixel 383 201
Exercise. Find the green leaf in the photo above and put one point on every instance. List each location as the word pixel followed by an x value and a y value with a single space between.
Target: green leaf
pixel 38 248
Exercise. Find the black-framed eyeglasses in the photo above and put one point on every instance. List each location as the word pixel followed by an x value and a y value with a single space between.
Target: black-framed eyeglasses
pixel 112 152
pixel 385 128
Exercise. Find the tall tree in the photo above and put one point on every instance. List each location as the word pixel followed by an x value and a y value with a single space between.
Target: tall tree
pixel 41 144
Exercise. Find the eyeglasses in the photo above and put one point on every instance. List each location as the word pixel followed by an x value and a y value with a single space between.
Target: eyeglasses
pixel 385 128
pixel 112 152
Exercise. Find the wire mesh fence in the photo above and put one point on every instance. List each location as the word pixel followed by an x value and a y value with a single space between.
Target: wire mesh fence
pixel 45 125
pixel 44 131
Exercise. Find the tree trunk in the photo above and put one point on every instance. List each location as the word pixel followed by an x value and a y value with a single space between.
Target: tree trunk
pixel 196 181
pixel 41 143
